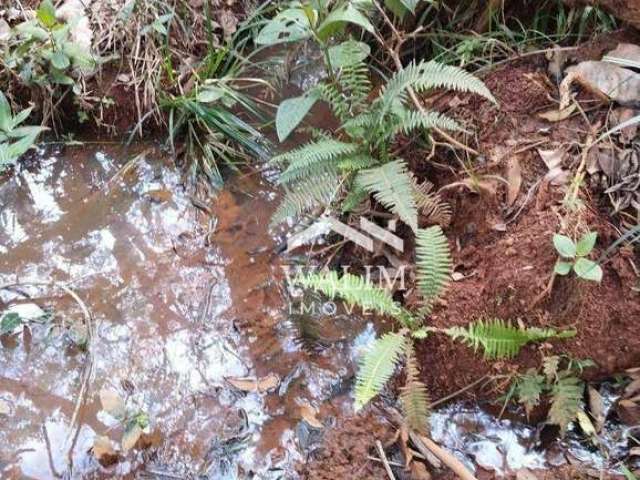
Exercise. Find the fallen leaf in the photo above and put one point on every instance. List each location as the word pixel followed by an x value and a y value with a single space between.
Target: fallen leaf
pixel 261 385
pixel 586 425
pixel 626 51
pixel 5 408
pixel 553 160
pixel 558 115
pixel 596 408
pixel 525 474
pixel 160 195
pixel 419 471
pixel 308 414
pixel 228 22
pixel 612 81
pixel 112 403
pixel 621 115
pixel 131 436
pixel 514 179
pixel 104 450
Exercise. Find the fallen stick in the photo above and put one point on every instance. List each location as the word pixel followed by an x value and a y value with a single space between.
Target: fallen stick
pixel 448 459
pixel 384 460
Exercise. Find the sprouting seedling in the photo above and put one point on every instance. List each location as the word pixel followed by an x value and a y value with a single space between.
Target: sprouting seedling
pixel 573 256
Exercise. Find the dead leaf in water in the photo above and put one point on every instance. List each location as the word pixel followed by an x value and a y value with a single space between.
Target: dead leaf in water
pixel 160 195
pixel 131 436
pixel 596 407
pixel 261 385
pixel 112 403
pixel 104 451
pixel 5 408
pixel 514 179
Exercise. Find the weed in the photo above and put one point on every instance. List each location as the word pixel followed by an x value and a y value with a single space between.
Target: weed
pixel 15 140
pixel 573 256
pixel 558 381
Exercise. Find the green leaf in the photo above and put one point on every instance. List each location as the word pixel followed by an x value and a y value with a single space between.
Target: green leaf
pixel 562 268
pixel 59 60
pixel 410 4
pixel 9 323
pixel 397 7
pixel 346 14
pixel 377 366
pixel 31 29
pixel 46 14
pixel 292 111
pixel 564 245
pixel 5 114
pixel 586 244
pixel 588 269
pixel 348 53
pixel 292 25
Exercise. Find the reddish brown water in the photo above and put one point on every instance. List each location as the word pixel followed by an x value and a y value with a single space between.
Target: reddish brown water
pixel 181 299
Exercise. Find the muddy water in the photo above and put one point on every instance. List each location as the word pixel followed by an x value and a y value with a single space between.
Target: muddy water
pixel 182 299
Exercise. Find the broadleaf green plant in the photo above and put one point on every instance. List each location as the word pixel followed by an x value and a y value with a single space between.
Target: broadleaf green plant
pixel 49 51
pixel 356 160
pixel 15 140
pixel 574 256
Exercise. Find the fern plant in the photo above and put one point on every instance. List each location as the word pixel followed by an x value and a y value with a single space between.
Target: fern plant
pixel 559 384
pixel 501 340
pixel 359 154
pixel 15 140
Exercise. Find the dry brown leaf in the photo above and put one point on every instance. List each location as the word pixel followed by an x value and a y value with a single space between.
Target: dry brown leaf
pixel 553 160
pixel 514 179
pixel 558 115
pixel 112 403
pixel 228 22
pixel 621 115
pixel 617 83
pixel 632 388
pixel 261 385
pixel 5 408
pixel 419 471
pixel 626 51
pixel 308 414
pixel 131 437
pixel 104 450
pixel 596 408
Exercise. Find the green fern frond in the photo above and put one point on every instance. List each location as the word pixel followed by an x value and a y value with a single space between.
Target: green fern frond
pixel 306 195
pixel 356 162
pixel 377 366
pixel 353 289
pixel 414 120
pixel 347 94
pixel 499 339
pixel 391 185
pixel 430 204
pixel 566 402
pixel 529 388
pixel 414 397
pixel 354 199
pixel 312 159
pixel 433 263
pixel 430 75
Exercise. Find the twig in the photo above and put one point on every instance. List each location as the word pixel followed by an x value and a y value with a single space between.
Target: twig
pixel 448 459
pixel 459 392
pixel 384 460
